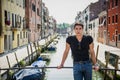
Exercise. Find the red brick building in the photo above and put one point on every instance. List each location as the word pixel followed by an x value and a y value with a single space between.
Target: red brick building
pixel 33 19
pixel 113 23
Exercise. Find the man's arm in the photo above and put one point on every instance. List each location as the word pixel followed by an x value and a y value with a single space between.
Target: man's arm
pixel 92 52
pixel 65 54
pixel 91 46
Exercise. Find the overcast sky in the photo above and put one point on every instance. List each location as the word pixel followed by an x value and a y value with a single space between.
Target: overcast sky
pixel 66 10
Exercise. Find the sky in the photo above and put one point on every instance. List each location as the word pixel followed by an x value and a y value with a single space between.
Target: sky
pixel 66 10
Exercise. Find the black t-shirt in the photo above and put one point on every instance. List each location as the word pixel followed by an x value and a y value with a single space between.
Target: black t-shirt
pixel 80 50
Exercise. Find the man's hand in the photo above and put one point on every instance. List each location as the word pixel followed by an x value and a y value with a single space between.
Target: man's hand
pixel 60 66
pixel 96 67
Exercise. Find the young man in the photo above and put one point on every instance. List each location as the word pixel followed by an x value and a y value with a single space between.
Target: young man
pixel 81 46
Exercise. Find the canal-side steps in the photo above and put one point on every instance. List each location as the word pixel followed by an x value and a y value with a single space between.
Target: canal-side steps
pixel 23 56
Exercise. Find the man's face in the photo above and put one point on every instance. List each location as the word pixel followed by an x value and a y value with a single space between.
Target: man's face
pixel 78 30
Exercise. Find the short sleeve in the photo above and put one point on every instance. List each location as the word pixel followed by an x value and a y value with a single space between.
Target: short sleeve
pixel 68 40
pixel 90 39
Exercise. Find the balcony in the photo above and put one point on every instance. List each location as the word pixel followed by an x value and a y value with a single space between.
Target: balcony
pixel 17 26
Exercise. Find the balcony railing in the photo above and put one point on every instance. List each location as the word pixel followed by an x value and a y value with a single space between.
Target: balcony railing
pixel 17 26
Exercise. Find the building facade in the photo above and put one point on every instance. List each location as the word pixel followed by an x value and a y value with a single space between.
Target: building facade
pixel 113 25
pixel 12 25
pixel 33 19
pixel 45 21
pixel 52 26
pixel 102 31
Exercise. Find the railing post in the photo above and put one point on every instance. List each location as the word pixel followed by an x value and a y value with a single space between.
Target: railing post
pixel 116 67
pixel 43 73
pixel 107 61
pixel 114 78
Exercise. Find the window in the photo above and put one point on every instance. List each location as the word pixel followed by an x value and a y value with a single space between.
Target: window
pixel 26 35
pixel 12 35
pixel 23 34
pixel 7 17
pixel 33 7
pixel 116 2
pixel 112 19
pixel 20 19
pixel 23 22
pixel 116 18
pixel 20 35
pixel 17 16
pixel 37 11
pixel 112 3
pixel 13 21
pixel 25 3
pixel 104 22
pixel 108 20
pixel 99 21
pixel 119 37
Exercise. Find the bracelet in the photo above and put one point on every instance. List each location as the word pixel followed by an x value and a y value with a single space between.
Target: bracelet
pixel 96 64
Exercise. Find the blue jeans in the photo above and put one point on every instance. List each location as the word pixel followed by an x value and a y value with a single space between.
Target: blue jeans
pixel 82 70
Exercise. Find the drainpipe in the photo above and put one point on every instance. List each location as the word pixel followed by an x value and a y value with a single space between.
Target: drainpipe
pixel 107 22
pixel 35 21
pixel 41 19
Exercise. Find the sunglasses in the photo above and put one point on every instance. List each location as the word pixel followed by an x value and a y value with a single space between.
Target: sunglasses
pixel 79 45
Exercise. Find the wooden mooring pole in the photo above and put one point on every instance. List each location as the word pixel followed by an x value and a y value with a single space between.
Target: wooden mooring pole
pixel 31 52
pixel 28 54
pixel 17 59
pixel 97 52
pixel 0 75
pixel 8 76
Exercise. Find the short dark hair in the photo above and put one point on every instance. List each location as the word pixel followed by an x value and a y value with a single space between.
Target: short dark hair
pixel 78 24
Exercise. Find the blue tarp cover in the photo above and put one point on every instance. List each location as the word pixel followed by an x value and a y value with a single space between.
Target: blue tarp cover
pixel 30 74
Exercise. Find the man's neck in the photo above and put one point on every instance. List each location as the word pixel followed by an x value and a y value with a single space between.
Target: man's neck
pixel 79 37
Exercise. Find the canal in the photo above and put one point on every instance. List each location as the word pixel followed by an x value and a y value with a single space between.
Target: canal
pixel 63 74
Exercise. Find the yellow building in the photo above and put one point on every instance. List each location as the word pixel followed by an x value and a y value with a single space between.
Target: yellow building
pixel 13 32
